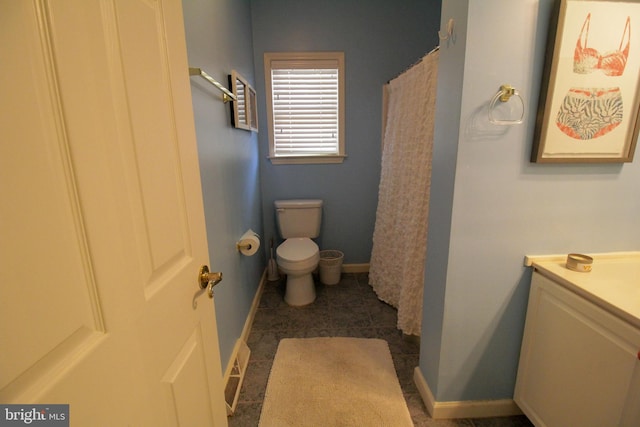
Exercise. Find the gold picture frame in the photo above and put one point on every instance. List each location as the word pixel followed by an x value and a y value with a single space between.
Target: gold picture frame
pixel 590 98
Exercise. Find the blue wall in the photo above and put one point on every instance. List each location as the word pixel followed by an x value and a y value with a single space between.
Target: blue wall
pixel 490 206
pixel 380 38
pixel 219 40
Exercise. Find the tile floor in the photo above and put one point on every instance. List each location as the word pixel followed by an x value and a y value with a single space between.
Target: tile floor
pixel 351 309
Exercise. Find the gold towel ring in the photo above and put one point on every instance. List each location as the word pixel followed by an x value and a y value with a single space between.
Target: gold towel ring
pixel 505 93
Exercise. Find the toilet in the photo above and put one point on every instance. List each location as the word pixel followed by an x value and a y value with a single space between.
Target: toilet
pixel 298 256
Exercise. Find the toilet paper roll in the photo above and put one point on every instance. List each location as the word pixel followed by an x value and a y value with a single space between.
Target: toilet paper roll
pixel 249 243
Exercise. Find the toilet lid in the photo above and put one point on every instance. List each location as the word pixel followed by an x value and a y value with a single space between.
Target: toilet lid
pixel 297 249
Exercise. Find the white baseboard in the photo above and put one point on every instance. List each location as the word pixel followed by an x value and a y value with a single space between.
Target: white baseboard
pixel 246 330
pixel 425 392
pixel 355 268
pixel 463 409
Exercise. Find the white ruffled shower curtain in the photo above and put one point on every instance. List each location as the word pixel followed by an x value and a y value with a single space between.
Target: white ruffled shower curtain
pixel 396 270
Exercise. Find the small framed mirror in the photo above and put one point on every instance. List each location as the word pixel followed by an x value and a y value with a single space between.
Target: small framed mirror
pixel 244 110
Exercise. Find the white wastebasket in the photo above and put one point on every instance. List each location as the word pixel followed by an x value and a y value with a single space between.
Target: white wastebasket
pixel 330 266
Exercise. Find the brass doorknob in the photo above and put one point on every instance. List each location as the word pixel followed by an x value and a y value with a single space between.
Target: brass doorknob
pixel 208 280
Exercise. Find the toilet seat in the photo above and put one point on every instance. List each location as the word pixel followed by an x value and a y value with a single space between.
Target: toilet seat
pixel 298 252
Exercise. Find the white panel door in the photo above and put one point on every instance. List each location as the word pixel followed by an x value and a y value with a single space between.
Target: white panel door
pixel 101 219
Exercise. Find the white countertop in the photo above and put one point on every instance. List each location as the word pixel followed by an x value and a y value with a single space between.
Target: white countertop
pixel 613 283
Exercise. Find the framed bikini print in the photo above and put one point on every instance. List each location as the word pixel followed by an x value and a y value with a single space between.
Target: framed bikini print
pixel 590 98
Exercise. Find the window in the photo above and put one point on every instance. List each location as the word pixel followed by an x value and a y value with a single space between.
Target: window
pixel 305 100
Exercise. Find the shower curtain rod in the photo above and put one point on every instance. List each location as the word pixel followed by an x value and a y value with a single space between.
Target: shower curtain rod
pixel 435 49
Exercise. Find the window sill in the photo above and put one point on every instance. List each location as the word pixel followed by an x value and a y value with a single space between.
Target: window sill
pixel 302 160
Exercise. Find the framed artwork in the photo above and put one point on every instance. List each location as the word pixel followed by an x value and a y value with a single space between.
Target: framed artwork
pixel 590 98
pixel 244 110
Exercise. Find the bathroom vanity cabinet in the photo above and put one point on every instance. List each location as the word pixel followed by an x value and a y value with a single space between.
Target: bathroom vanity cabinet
pixel 580 357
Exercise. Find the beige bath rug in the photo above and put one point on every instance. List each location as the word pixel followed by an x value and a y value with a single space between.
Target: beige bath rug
pixel 333 382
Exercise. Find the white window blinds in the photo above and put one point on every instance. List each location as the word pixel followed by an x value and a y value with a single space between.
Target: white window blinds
pixel 305 111
pixel 305 107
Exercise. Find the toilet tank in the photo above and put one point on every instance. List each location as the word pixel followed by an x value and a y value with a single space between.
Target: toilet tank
pixel 299 218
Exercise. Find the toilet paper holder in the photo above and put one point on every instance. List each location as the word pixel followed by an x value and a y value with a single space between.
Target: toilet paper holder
pixel 249 243
pixel 241 246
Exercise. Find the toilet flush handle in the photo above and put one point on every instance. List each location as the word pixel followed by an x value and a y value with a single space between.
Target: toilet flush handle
pixel 208 280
